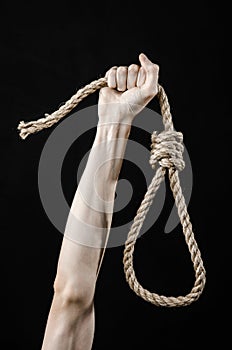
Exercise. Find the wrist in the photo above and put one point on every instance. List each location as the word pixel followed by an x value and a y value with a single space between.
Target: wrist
pixel 112 130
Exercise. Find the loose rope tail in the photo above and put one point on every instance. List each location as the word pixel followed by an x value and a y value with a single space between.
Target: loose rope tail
pixel 167 150
pixel 50 119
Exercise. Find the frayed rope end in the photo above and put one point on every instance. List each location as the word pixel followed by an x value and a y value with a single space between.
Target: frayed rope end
pixel 23 130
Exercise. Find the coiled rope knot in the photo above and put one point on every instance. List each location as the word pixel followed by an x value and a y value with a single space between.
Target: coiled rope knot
pixel 167 149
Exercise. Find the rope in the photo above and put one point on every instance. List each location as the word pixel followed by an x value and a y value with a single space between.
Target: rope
pixel 167 151
pixel 50 119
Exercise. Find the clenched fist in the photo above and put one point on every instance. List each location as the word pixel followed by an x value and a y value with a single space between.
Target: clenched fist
pixel 129 91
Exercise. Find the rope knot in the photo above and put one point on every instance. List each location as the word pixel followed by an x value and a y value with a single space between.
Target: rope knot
pixel 167 149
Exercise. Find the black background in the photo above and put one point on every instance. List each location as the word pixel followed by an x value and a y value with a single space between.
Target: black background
pixel 46 55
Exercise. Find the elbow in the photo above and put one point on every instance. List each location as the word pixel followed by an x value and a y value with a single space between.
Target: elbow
pixel 73 294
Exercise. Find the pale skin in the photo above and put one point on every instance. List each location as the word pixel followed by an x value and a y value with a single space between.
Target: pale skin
pixel 70 324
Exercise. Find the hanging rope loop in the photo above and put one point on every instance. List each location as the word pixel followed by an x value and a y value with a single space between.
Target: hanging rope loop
pixel 167 149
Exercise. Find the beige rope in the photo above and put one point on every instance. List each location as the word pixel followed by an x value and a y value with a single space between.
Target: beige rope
pixel 50 119
pixel 167 150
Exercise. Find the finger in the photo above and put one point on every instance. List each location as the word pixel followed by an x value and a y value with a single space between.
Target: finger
pixel 121 78
pixel 132 75
pixel 111 77
pixel 141 77
pixel 152 71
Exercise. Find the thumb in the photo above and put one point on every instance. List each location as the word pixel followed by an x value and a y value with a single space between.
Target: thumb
pixel 152 73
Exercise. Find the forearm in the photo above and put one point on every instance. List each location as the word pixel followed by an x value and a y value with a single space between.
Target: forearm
pixel 71 319
pixel 93 202
pixel 113 137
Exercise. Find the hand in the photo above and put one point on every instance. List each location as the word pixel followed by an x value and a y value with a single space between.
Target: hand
pixel 129 91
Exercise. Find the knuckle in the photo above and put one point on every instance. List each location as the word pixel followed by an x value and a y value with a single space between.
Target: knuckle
pixel 110 70
pixel 153 69
pixel 156 67
pixel 122 69
pixel 133 68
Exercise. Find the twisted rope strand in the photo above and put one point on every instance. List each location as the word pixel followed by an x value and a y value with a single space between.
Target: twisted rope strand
pixel 167 151
pixel 50 119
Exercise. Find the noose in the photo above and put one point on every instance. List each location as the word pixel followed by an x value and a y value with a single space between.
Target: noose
pixel 167 151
